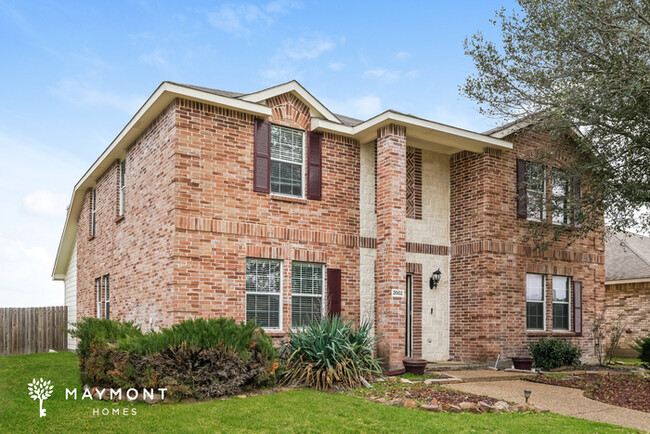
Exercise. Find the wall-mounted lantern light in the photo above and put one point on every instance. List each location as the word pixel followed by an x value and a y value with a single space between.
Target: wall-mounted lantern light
pixel 435 278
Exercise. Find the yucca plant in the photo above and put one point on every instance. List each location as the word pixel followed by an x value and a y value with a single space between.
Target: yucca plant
pixel 331 353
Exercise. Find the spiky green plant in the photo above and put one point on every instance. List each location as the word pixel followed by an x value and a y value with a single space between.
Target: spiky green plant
pixel 331 352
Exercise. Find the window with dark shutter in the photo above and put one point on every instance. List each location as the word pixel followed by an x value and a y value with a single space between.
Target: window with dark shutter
pixel 577 308
pixel 262 163
pixel 577 201
pixel 314 166
pixel 333 292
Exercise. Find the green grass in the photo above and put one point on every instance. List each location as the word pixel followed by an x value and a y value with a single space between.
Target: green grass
pixel 298 410
pixel 413 377
pixel 627 361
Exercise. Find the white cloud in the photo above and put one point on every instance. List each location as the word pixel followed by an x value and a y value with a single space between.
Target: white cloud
pixel 402 55
pixel 155 58
pixel 81 93
pixel 240 19
pixel 284 65
pixel 45 203
pixel 336 66
pixel 389 75
pixel 362 107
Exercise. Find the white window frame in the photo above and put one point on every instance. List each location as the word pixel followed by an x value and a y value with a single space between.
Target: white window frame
pixel 529 191
pixel 568 302
pixel 323 293
pixel 122 187
pixel 565 217
pixel 303 172
pixel 93 211
pixel 280 294
pixel 98 296
pixel 543 302
pixel 107 303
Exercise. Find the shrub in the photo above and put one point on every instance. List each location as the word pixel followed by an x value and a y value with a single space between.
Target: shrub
pixel 642 346
pixel 553 353
pixel 196 358
pixel 331 353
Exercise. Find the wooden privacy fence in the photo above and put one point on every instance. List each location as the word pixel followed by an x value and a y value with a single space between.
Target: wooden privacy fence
pixel 28 330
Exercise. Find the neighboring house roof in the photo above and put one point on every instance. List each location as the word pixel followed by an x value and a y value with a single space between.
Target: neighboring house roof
pixel 627 258
pixel 449 139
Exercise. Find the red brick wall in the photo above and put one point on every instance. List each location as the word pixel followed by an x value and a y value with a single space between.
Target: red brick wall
pixel 390 269
pixel 135 250
pixel 220 220
pixel 489 261
pixel 631 302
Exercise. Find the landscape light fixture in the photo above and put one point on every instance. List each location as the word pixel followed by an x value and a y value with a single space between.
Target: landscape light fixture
pixel 435 278
pixel 527 395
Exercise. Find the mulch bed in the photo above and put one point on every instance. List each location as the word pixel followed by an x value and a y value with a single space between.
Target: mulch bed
pixel 423 394
pixel 627 390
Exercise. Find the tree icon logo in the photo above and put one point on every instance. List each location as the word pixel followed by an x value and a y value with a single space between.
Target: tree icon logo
pixel 40 390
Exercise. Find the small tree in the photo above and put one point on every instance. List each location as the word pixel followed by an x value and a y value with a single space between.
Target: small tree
pixel 40 390
pixel 606 338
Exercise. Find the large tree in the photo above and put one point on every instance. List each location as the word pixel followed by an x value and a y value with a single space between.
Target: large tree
pixel 582 66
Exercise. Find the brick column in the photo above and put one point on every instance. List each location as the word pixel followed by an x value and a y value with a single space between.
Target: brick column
pixel 390 270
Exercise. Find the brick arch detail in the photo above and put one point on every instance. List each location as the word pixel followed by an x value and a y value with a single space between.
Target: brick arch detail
pixel 287 109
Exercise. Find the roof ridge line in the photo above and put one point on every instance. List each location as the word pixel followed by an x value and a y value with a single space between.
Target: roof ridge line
pixel 632 249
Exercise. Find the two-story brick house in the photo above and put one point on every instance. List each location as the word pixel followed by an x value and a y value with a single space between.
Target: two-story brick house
pixel 267 205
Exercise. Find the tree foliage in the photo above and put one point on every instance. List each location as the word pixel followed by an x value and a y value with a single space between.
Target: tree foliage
pixel 581 66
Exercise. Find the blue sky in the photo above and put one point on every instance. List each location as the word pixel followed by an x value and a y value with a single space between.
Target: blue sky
pixel 73 74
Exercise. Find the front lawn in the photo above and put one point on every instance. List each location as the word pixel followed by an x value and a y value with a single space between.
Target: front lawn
pixel 298 410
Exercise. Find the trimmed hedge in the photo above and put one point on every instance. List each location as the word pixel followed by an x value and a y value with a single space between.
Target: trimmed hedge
pixel 196 358
pixel 554 353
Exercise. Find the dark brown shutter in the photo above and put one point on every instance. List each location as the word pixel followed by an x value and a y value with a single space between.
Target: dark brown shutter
pixel 577 200
pixel 522 211
pixel 333 292
pixel 314 166
pixel 262 164
pixel 577 308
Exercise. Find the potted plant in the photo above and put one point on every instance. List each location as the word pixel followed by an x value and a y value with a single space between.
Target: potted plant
pixel 415 366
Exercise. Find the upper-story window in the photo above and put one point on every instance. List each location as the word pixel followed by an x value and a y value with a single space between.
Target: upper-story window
pixel 122 188
pixel 287 161
pixel 561 194
pixel 536 191
pixel 93 211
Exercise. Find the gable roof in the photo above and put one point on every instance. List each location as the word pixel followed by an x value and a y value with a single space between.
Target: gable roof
pixel 627 258
pixel 419 130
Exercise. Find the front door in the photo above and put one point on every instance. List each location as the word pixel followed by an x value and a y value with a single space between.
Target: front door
pixel 409 316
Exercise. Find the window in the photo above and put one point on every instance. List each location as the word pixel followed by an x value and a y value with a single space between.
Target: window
pixel 122 187
pixel 98 297
pixel 561 299
pixel 107 303
pixel 536 191
pixel 535 310
pixel 102 296
pixel 306 293
pixel 561 192
pixel 263 292
pixel 287 161
pixel 93 209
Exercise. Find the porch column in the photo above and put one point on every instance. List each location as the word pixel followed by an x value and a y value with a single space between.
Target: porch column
pixel 390 269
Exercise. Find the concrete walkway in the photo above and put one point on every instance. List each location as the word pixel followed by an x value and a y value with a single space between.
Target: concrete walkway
pixel 561 400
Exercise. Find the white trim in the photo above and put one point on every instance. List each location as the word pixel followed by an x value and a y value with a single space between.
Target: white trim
pixel 568 302
pixel 454 135
pixel 153 106
pixel 292 86
pixel 623 281
pixel 543 301
pixel 280 294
